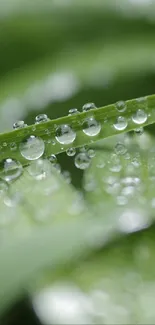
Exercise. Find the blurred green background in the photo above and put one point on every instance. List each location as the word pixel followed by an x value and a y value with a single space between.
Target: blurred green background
pixel 59 54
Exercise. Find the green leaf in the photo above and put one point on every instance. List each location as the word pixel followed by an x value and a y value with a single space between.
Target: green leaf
pixel 115 285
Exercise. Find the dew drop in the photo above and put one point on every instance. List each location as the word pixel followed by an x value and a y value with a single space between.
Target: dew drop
pixel 91 127
pixel 71 152
pixel 84 148
pixel 41 118
pixel 65 134
pixel 121 123
pixel 19 125
pixel 11 169
pixel 13 146
pixel 67 176
pixel 139 131
pixel 82 161
pixel 120 149
pixel 73 111
pixel 88 106
pixel 91 153
pixel 53 159
pixel 139 117
pixel 32 148
pixel 121 106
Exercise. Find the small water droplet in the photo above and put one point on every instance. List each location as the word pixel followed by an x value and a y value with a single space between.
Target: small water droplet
pixel 41 118
pixel 139 117
pixel 139 131
pixel 58 168
pixel 65 134
pixel 53 159
pixel 67 176
pixel 121 123
pixel 120 149
pixel 84 148
pixel 73 111
pixel 88 106
pixel 19 125
pixel 33 128
pixel 91 153
pixel 10 169
pixel 121 106
pixel 32 148
pixel 82 161
pixel 4 144
pixel 13 146
pixel 71 152
pixel 91 127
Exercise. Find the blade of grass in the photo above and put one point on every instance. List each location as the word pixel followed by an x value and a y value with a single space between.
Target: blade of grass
pixel 107 116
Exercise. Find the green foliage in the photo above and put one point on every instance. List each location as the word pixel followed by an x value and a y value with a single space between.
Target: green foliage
pixel 56 55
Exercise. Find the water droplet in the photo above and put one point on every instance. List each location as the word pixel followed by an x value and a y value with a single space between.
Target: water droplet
pixel 121 123
pixel 73 111
pixel 91 153
pixel 58 168
pixel 67 176
pixel 65 134
pixel 88 106
pixel 4 144
pixel 53 159
pixel 71 152
pixel 139 117
pixel 91 127
pixel 41 118
pixel 121 106
pixel 19 125
pixel 82 161
pixel 139 131
pixel 32 148
pixel 115 164
pixel 13 146
pixel 11 169
pixel 63 303
pixel 3 187
pixel 39 169
pixel 120 149
pixel 84 148
pixel 33 128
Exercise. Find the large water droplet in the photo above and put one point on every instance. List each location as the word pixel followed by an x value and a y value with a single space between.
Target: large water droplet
pixel 121 106
pixel 88 106
pixel 73 111
pixel 65 134
pixel 82 161
pixel 41 118
pixel 32 148
pixel 121 123
pixel 71 152
pixel 139 117
pixel 10 169
pixel 91 127
pixel 19 125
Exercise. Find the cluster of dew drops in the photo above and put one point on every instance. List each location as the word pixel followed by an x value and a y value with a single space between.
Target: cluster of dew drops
pixel 33 147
